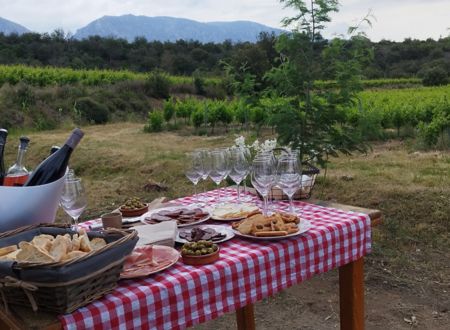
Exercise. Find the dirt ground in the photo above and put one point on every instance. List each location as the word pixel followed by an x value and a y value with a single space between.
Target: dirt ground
pixel 314 305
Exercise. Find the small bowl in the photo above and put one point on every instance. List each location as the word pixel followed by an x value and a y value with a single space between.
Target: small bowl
pixel 201 260
pixel 134 212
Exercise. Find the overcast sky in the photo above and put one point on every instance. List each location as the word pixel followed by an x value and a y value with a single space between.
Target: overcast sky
pixel 395 19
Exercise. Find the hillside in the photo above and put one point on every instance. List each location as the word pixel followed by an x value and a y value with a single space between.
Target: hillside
pixel 171 29
pixel 9 27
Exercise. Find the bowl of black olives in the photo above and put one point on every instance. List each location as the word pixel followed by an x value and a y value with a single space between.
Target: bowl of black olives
pixel 200 253
pixel 133 207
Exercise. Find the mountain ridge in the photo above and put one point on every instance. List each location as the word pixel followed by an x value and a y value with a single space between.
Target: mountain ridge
pixel 10 27
pixel 167 28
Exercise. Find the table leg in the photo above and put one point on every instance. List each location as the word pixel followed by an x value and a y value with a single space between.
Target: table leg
pixel 351 295
pixel 245 318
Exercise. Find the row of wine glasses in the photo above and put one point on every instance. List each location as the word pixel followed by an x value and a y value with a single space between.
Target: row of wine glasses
pixel 268 172
pixel 218 164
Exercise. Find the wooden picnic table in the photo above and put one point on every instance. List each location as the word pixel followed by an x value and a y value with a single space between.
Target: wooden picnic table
pixel 351 293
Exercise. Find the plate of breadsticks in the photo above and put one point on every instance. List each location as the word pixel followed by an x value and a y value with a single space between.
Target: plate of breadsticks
pixel 274 227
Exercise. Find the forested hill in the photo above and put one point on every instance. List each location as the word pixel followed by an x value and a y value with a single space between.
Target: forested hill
pixel 409 58
pixel 164 28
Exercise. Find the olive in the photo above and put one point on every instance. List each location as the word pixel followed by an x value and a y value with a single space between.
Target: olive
pixel 204 251
pixel 210 250
pixel 198 253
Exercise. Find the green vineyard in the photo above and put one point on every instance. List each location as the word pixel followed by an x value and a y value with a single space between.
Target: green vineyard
pixel 48 76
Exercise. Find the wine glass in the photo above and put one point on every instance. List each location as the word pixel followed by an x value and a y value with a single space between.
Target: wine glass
pixel 219 166
pixel 248 157
pixel 239 168
pixel 289 177
pixel 206 165
pixel 73 199
pixel 193 168
pixel 263 177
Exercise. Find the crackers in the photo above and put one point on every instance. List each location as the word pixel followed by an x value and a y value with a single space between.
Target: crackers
pixel 276 225
pixel 49 249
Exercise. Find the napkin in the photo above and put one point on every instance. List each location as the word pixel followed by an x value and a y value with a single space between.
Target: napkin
pixel 163 233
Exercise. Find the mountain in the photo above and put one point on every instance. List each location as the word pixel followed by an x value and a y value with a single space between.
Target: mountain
pixel 164 28
pixel 8 27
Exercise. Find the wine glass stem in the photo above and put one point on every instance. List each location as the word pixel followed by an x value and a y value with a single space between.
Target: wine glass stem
pixel 291 208
pixel 266 197
pixel 195 189
pixel 75 224
pixel 239 193
pixel 218 187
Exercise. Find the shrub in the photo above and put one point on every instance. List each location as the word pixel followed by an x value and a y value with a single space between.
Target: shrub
pixel 157 85
pixel 91 111
pixel 198 118
pixel 155 122
pixel 168 109
pixel 199 84
pixel 258 117
pixel 435 77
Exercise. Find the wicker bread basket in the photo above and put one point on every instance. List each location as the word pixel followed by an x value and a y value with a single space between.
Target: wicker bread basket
pixel 63 287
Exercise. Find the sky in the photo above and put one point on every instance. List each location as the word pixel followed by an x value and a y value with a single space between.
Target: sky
pixel 394 19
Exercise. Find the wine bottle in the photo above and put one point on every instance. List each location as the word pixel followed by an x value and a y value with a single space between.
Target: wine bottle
pixel 3 135
pixel 54 166
pixel 17 174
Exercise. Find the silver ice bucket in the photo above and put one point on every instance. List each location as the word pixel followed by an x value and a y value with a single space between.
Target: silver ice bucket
pixel 22 206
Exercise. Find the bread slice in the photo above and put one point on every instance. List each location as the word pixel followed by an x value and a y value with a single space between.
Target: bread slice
pixel 43 241
pixel 7 249
pixel 76 242
pixel 85 244
pixel 97 243
pixel 74 254
pixel 59 248
pixel 10 256
pixel 30 253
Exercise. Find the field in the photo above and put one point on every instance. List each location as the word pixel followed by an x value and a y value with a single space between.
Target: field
pixel 406 275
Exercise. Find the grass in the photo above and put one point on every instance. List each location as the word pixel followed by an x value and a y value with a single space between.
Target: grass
pixel 412 189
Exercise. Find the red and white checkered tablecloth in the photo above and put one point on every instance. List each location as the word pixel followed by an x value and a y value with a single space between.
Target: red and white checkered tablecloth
pixel 247 271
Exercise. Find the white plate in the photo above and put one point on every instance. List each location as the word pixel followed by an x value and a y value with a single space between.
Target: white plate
pixel 305 225
pixel 173 208
pixel 220 229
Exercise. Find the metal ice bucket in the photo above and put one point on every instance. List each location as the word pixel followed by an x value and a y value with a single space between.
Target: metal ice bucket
pixel 22 206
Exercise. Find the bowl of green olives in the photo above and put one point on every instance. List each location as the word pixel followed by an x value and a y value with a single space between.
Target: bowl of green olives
pixel 133 207
pixel 200 253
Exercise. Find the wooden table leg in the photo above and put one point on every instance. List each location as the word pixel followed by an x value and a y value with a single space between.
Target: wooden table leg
pixel 351 295
pixel 245 318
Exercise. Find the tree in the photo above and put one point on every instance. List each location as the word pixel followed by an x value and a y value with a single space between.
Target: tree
pixel 315 120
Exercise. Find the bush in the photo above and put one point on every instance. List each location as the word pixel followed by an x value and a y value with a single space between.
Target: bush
pixel 91 111
pixel 155 122
pixel 199 84
pixel 258 117
pixel 198 118
pixel 168 109
pixel 435 77
pixel 157 85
